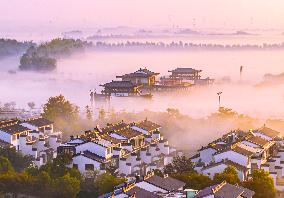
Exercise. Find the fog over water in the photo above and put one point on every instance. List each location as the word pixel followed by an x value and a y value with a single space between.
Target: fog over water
pixel 76 75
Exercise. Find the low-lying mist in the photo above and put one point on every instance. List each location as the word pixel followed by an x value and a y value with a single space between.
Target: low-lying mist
pixel 78 74
pixel 196 125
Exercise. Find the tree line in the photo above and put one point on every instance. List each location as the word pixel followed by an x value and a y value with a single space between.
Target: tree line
pixel 18 177
pixel 182 169
pixel 44 56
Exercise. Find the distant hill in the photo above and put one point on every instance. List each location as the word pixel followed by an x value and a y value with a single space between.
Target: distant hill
pixel 43 57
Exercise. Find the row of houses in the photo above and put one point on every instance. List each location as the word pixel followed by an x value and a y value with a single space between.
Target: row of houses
pixel 35 137
pixel 131 148
pixel 134 150
pixel 153 186
pixel 246 151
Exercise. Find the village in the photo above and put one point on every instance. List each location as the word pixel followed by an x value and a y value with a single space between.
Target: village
pixel 139 153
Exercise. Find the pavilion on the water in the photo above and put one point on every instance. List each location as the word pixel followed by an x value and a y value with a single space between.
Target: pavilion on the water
pixel 121 88
pixel 143 77
pixel 181 76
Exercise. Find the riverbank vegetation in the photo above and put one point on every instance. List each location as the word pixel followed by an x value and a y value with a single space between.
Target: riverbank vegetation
pixel 9 47
pixel 44 56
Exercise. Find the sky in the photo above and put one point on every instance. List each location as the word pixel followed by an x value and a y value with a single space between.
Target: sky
pixel 236 14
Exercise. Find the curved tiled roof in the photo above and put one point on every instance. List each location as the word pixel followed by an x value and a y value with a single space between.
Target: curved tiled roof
pixel 268 132
pixel 39 122
pixel 13 129
pixel 168 183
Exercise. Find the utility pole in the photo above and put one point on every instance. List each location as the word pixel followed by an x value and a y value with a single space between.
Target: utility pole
pixel 219 97
pixel 241 73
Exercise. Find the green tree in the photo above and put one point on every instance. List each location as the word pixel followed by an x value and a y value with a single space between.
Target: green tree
pixel 18 161
pixel 262 184
pixel 173 112
pixel 193 180
pixel 58 108
pixel 179 165
pixel 229 175
pixel 43 185
pixel 66 187
pixel 106 182
pixel 5 165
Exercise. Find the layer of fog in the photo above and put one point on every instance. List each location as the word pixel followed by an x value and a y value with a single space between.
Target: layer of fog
pixel 75 76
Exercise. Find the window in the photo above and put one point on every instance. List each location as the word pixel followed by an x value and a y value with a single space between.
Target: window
pixel 89 167
pixel 75 166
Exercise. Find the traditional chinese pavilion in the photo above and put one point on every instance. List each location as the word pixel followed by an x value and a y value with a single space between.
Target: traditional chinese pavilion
pixel 143 77
pixel 185 75
pixel 121 88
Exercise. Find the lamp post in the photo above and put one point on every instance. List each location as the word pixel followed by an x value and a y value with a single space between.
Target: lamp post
pixel 219 97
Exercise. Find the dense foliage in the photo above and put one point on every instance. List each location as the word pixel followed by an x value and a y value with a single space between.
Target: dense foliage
pixel 262 184
pixel 43 57
pixel 193 180
pixel 62 112
pixel 229 175
pixel 179 165
pixel 11 47
pixel 53 179
pixel 17 160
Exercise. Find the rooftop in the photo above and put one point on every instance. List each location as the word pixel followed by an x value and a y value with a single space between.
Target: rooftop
pixel 141 73
pixel 111 139
pixel 147 125
pixel 128 133
pixel 225 190
pixel 268 132
pixel 185 70
pixel 121 84
pixel 114 127
pixel 93 156
pixel 13 129
pixel 141 193
pixel 242 149
pixel 4 123
pixel 257 140
pixel 168 183
pixel 39 122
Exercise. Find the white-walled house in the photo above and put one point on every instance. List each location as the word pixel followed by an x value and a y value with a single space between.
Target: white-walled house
pixel 246 151
pixel 33 137
pixel 148 186
pixel 134 149
pixel 218 167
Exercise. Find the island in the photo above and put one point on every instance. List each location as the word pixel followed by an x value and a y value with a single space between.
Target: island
pixel 44 56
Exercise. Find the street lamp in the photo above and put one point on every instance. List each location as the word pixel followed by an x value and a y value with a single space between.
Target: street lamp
pixel 219 97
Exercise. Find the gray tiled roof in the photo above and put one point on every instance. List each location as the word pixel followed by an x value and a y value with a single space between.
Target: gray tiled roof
pixel 225 190
pixel 14 129
pixel 39 122
pixel 168 183
pixel 141 193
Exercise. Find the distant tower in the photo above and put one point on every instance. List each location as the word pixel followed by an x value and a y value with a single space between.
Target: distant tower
pixel 92 100
pixel 241 73
pixel 219 97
